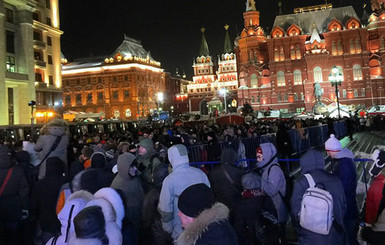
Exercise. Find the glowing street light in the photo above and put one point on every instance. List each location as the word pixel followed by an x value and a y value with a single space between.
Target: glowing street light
pixel 336 78
pixel 224 91
pixel 159 98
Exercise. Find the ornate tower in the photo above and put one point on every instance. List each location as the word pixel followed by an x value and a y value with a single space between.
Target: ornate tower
pixel 203 65
pixel 227 65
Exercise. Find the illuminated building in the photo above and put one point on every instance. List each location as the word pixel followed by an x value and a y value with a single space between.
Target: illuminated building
pixel 204 92
pixel 281 70
pixel 122 85
pixel 176 96
pixel 30 43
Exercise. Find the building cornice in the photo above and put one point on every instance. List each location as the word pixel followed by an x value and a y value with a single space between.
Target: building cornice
pixel 47 28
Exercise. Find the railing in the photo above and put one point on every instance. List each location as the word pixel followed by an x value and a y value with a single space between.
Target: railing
pixel 316 137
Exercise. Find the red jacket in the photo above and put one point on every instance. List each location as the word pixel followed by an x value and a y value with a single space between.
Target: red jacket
pixel 373 199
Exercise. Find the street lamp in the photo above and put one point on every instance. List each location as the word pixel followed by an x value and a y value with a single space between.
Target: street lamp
pixel 224 91
pixel 159 98
pixel 336 78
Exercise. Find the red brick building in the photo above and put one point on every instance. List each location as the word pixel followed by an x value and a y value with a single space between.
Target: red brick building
pixel 282 70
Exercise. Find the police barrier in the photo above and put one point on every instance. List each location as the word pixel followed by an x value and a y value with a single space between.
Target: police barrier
pixel 312 137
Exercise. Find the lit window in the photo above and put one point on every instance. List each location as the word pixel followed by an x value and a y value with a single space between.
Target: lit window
pixel 357 73
pixel 128 113
pixel 281 79
pixel 317 74
pixel 254 81
pixel 10 64
pixel 297 77
pixel 116 114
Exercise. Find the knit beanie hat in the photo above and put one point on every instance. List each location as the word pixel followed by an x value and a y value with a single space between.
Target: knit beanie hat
pixel 259 150
pixel 194 199
pixel 90 223
pixel 251 181
pixel 333 144
pixel 178 155
pixel 98 160
pixel 148 144
pixel 110 154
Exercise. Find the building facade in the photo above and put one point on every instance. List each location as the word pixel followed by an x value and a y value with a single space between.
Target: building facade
pixel 122 86
pixel 289 68
pixel 30 54
pixel 212 86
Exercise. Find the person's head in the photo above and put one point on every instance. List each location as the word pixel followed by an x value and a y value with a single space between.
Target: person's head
pixel 90 224
pixel 98 160
pixel 312 159
pixel 87 152
pixel 192 201
pixel 211 136
pixel 333 146
pixel 177 155
pixel 229 156
pixel 264 153
pixel 127 165
pixel 146 146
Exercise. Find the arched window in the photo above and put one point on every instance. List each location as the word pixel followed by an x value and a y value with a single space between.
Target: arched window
pixel 254 81
pixel 318 74
pixel 116 114
pixel 128 113
pixel 357 73
pixel 281 79
pixel 297 77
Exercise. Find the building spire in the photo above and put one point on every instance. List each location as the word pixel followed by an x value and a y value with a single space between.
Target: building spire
pixel 204 49
pixel 227 49
pixel 280 8
pixel 250 5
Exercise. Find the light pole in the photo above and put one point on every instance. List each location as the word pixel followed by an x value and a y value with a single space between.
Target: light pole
pixel 224 92
pixel 336 78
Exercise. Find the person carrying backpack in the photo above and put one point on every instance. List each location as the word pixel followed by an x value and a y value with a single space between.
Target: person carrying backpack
pixel 312 163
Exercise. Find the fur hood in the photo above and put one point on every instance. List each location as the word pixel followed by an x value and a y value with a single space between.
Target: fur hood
pixel 216 214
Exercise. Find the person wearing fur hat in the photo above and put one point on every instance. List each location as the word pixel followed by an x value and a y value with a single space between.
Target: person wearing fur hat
pixel 147 163
pixel 345 169
pixel 49 134
pixel 128 181
pixel 183 176
pixel 204 221
pixel 374 230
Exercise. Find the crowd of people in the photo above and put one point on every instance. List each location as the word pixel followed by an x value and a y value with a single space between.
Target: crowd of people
pixel 137 187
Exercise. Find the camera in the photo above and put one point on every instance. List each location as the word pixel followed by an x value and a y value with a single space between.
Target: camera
pixel 32 103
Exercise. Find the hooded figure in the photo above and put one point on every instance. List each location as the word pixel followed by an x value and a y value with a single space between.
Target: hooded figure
pixel 312 162
pixel 75 203
pixel 273 181
pixel 147 162
pixel 127 181
pixel 182 177
pixel 227 191
pixel 50 132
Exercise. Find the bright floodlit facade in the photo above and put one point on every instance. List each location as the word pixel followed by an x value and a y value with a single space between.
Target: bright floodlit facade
pixel 30 54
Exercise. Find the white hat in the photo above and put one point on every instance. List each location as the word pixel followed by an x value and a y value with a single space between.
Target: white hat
pixel 333 144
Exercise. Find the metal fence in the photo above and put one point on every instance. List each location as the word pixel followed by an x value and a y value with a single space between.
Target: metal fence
pixel 315 137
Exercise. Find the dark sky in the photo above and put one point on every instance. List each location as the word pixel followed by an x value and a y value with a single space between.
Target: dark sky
pixel 170 29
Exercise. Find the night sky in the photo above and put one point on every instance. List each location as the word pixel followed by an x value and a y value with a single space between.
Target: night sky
pixel 170 29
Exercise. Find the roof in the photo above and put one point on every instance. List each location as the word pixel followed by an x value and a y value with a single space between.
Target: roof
pixel 319 19
pixel 204 49
pixel 131 47
pixel 227 47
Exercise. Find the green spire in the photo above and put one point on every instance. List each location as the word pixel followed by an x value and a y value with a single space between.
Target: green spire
pixel 204 50
pixel 228 49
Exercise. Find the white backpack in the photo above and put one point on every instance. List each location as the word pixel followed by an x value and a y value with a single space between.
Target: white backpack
pixel 316 213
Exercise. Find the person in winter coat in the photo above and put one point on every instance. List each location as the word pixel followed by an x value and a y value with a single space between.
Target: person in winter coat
pixel 16 186
pixel 374 230
pixel 90 227
pixel 49 133
pixel 213 148
pixel 204 221
pixel 312 162
pixel 345 169
pixel 152 231
pixel 225 180
pixel 147 161
pixel 44 198
pixel 75 203
pixel 182 177
pixel 128 181
pixel 235 143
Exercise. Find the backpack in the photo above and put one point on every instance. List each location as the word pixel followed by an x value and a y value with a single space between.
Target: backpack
pixel 316 213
